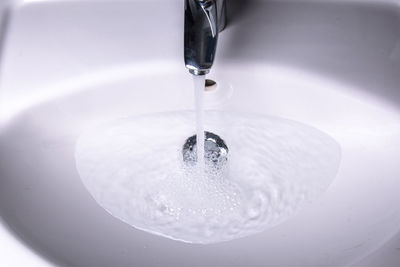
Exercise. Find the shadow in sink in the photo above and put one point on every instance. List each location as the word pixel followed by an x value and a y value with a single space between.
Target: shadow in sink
pixel 354 43
pixel 35 200
pixel 5 17
pixel 236 9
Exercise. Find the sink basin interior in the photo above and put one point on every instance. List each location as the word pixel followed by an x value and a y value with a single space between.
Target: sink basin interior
pixel 69 66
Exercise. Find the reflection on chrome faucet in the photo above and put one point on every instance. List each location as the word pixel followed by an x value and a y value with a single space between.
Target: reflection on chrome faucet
pixel 204 19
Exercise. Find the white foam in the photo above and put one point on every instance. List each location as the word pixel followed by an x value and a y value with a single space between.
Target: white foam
pixel 133 168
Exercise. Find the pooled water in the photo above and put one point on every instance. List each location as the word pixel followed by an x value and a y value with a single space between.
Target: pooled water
pixel 134 168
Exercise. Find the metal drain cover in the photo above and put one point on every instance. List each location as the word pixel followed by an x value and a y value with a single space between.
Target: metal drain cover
pixel 216 151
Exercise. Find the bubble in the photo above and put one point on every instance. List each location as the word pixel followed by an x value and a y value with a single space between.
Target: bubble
pixel 134 169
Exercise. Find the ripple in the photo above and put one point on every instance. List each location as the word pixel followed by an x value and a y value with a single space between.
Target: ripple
pixel 133 168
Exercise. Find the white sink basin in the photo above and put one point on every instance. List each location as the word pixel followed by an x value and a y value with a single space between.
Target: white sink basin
pixel 68 65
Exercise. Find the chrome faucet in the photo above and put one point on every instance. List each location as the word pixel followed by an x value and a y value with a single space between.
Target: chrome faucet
pixel 204 19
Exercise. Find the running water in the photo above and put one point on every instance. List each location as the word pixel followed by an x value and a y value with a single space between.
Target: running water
pixel 199 83
pixel 135 169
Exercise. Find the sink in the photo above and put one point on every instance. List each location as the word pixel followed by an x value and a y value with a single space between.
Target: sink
pixel 67 66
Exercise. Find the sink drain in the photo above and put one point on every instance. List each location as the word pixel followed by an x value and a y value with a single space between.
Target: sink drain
pixel 210 85
pixel 216 151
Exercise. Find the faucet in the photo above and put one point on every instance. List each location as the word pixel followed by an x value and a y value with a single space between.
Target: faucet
pixel 204 19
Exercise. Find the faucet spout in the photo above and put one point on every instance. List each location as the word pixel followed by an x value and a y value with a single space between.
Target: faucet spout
pixel 204 19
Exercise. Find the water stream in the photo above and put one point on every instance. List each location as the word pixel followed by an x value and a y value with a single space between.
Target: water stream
pixel 199 83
